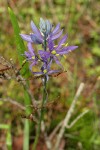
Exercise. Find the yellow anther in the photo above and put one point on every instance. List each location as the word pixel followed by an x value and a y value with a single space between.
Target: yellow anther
pixel 66 44
pixel 53 52
pixel 44 71
pixel 65 56
pixel 57 54
pixel 33 57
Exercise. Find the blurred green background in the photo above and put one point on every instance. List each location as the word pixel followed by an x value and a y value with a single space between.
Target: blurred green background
pixel 81 20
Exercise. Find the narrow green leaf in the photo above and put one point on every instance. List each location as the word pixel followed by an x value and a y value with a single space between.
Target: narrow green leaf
pixel 19 42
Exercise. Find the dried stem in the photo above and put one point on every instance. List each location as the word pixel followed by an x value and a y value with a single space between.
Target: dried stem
pixel 68 116
pixel 55 130
pixel 13 102
pixel 47 140
pixel 77 118
pixel 67 126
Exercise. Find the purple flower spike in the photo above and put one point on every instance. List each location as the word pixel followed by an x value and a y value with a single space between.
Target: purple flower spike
pixel 50 52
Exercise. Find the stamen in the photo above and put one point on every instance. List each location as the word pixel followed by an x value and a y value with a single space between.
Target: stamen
pixel 53 52
pixel 57 54
pixel 33 57
pixel 65 56
pixel 66 44
pixel 44 71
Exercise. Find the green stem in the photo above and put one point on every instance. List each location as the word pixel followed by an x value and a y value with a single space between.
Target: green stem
pixel 41 114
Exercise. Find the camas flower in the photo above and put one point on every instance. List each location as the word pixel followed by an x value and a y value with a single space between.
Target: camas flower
pixel 46 29
pixel 46 36
pixel 55 51
pixel 30 56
